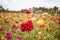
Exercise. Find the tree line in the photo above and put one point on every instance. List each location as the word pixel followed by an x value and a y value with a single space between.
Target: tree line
pixel 53 10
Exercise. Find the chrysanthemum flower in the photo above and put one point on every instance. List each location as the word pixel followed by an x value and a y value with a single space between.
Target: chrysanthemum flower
pixel 27 26
pixel 2 38
pixel 59 22
pixel 48 29
pixel 39 33
pixel 14 14
pixel 58 19
pixel 8 35
pixel 18 37
pixel 6 21
pixel 45 13
pixel 42 26
pixel 14 19
pixel 14 26
pixel 17 22
pixel 27 11
pixel 34 19
pixel 1 28
pixel 40 22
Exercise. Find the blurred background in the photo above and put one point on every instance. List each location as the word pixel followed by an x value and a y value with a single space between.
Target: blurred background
pixel 32 5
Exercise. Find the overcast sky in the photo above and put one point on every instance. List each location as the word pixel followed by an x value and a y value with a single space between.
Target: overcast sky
pixel 22 4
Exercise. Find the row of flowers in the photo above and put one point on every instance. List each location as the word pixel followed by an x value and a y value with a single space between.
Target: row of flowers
pixel 29 26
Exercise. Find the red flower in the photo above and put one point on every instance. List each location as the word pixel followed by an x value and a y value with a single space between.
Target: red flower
pixel 18 37
pixel 27 11
pixel 48 29
pixel 1 28
pixel 42 26
pixel 0 38
pixel 51 18
pixel 27 26
pixel 14 26
pixel 17 22
pixel 59 22
pixel 58 19
pixel 6 21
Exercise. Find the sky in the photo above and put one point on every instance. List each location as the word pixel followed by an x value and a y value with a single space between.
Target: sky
pixel 23 4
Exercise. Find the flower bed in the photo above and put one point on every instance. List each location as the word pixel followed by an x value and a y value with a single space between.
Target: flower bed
pixel 29 26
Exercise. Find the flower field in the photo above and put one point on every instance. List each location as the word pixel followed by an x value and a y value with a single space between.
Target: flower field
pixel 15 26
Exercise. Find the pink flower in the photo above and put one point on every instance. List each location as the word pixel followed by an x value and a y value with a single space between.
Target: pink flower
pixel 8 35
pixel 18 37
pixel 27 26
pixel 32 15
pixel 14 27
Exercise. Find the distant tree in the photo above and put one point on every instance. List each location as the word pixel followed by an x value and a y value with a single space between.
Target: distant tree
pixel 55 8
pixel 1 9
pixel 50 10
pixel 44 9
pixel 40 8
pixel 35 9
pixel 22 10
pixel 7 10
pixel 59 12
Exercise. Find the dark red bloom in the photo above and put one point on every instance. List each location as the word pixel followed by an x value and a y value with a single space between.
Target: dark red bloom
pixel 54 20
pixel 6 21
pixel 14 26
pixel 0 38
pixel 18 37
pixel 1 28
pixel 48 29
pixel 59 22
pixel 42 26
pixel 17 22
pixel 27 11
pixel 51 18
pixel 27 26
